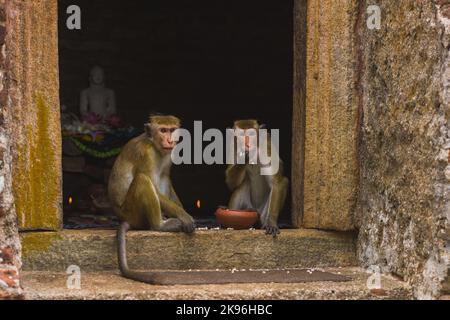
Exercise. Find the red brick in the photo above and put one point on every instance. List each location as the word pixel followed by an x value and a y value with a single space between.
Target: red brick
pixel 378 292
pixel 7 255
pixel 9 277
pixel 11 296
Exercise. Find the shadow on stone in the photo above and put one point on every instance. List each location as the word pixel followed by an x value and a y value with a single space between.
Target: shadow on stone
pixel 248 276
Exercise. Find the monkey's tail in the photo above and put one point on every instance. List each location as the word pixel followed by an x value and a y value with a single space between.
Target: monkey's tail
pixel 147 277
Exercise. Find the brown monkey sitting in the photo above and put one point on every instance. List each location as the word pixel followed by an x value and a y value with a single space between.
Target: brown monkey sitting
pixel 250 190
pixel 140 189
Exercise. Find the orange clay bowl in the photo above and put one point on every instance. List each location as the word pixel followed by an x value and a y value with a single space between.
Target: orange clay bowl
pixel 236 219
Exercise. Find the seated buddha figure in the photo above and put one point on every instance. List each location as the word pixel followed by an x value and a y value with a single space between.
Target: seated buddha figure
pixel 97 99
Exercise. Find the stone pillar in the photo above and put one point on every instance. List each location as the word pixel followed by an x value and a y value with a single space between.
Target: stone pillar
pixel 331 116
pixel 36 113
pixel 298 114
pixel 9 238
pixel 405 176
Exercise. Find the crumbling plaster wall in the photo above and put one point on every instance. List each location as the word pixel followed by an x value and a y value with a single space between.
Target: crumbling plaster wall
pixel 10 262
pixel 404 90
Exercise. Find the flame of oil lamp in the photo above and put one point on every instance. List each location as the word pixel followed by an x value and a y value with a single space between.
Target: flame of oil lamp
pixel 70 200
pixel 198 204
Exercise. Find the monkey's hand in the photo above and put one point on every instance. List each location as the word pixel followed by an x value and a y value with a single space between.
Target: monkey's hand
pixel 188 224
pixel 272 230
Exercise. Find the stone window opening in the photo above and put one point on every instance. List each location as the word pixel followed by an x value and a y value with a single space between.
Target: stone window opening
pixel 210 62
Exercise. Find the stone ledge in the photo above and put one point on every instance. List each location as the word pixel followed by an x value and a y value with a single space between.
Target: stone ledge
pixel 109 285
pixel 94 250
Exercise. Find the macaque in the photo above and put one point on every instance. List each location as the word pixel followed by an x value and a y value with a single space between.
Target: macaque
pixel 141 192
pixel 250 189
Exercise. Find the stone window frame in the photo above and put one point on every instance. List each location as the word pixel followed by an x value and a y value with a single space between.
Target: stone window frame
pixel 33 89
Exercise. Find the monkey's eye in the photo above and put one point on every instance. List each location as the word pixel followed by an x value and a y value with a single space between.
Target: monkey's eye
pixel 163 130
pixel 172 130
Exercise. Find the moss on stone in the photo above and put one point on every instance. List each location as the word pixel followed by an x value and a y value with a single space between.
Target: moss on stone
pixel 35 189
pixel 38 242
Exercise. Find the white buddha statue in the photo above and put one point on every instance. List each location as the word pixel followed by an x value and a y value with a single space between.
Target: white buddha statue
pixel 97 98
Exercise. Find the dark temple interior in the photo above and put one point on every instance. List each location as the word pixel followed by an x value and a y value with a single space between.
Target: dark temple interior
pixel 214 61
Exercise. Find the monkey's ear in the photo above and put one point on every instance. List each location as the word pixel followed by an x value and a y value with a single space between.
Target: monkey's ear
pixel 148 129
pixel 263 126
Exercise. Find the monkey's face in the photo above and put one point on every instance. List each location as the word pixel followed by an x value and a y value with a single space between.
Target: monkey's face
pixel 163 138
pixel 246 135
pixel 249 137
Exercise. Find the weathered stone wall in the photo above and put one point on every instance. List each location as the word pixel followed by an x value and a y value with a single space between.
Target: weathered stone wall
pixel 405 141
pixel 330 164
pixel 9 239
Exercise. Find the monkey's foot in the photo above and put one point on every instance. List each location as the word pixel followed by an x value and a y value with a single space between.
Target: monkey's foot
pixel 272 231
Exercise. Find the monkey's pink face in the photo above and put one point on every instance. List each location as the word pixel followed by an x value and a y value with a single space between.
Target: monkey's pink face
pixel 250 139
pixel 163 136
